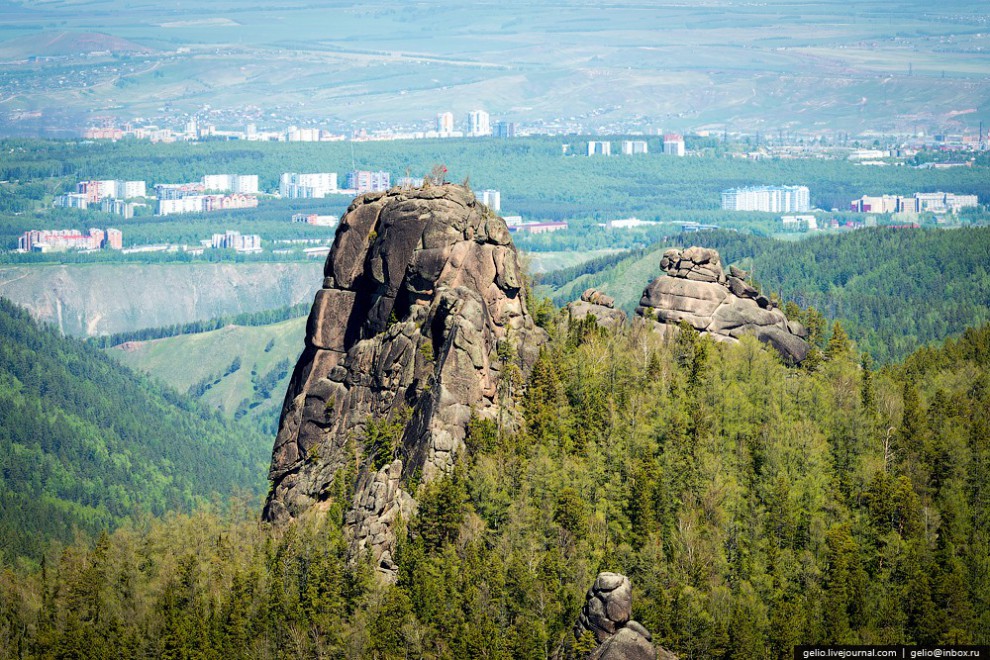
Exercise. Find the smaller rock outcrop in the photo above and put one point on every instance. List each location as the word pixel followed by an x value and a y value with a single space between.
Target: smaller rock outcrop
pixel 607 614
pixel 697 291
pixel 595 303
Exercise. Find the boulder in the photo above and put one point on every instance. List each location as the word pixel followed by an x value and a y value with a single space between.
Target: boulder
pixel 596 297
pixel 696 290
pixel 598 305
pixel 626 644
pixel 420 288
pixel 607 614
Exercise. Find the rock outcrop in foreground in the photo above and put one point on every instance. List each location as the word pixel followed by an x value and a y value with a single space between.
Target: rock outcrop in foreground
pixel 607 614
pixel 697 291
pixel 421 290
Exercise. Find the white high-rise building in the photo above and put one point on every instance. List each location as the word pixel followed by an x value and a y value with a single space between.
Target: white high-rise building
pixel 479 123
pixel 367 181
pixel 673 144
pixel 315 185
pixel 490 198
pixel 189 204
pixel 131 189
pixel 296 134
pixel 445 123
pixel 219 182
pixel 234 240
pixel 599 148
pixel 772 199
pixel 245 184
pixel 110 188
pixel 630 147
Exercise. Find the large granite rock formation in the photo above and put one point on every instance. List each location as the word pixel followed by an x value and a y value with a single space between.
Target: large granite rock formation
pixel 595 303
pixel 697 291
pixel 421 289
pixel 607 614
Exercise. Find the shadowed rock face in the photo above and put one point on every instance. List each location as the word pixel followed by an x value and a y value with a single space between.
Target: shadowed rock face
pixel 696 290
pixel 420 290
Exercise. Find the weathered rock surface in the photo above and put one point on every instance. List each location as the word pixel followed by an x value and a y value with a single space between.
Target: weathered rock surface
pixel 607 614
pixel 697 291
pixel 595 303
pixel 420 289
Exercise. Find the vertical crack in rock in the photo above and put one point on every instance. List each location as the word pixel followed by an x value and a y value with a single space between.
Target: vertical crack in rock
pixel 420 289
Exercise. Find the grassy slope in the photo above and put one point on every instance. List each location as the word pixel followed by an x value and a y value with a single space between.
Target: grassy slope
pixel 625 281
pixel 187 359
pixel 544 262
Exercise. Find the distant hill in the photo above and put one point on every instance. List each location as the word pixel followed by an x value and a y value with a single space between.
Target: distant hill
pixel 201 365
pixel 88 300
pixel 895 290
pixel 86 443
pixel 63 43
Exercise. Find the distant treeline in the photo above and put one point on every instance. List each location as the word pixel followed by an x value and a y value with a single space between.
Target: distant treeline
pixel 895 290
pixel 264 317
pixel 562 276
pixel 535 179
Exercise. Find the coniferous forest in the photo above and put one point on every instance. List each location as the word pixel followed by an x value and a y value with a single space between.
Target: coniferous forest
pixel 894 289
pixel 86 444
pixel 754 506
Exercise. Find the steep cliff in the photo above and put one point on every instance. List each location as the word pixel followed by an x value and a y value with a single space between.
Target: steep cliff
pixel 697 291
pixel 420 314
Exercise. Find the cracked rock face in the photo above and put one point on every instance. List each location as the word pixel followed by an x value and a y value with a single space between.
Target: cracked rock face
pixel 607 614
pixel 420 290
pixel 697 291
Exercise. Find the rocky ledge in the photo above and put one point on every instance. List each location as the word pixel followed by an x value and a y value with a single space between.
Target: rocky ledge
pixel 420 312
pixel 696 290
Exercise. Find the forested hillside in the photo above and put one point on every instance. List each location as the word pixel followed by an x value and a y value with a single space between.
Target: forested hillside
pixel 893 289
pixel 753 507
pixel 87 444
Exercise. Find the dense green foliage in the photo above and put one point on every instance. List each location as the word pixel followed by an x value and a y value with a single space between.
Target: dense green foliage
pixel 86 443
pixel 752 505
pixel 894 290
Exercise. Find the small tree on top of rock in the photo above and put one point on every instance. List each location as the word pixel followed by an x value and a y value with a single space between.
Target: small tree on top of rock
pixel 437 175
